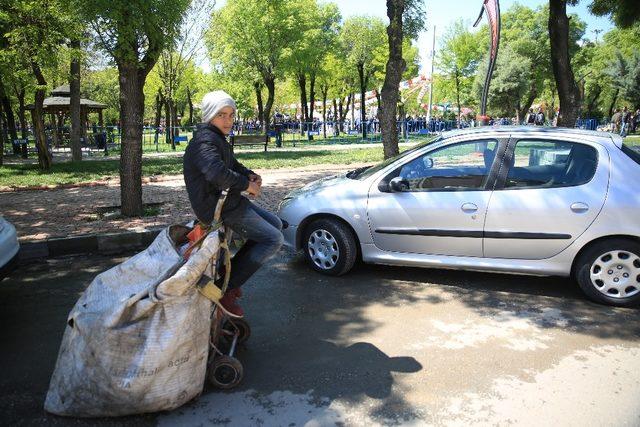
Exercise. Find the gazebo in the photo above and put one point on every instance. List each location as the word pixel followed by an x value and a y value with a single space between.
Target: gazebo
pixel 58 107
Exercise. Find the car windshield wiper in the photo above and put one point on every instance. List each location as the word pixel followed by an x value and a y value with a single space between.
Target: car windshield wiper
pixel 354 173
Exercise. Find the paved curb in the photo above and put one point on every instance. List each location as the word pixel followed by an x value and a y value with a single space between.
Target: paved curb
pixel 93 243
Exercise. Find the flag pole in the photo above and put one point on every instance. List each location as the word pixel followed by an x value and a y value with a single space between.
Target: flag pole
pixel 433 59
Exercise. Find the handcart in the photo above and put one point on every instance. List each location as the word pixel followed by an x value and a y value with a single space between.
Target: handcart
pixel 228 331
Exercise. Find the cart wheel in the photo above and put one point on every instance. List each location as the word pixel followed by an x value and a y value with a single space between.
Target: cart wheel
pixel 244 330
pixel 225 372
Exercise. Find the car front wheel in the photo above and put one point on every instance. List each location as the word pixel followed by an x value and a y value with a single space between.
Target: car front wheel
pixel 609 272
pixel 329 247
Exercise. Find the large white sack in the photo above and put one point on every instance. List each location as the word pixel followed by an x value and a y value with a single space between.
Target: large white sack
pixel 137 340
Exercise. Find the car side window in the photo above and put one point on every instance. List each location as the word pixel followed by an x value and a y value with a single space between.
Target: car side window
pixel 463 166
pixel 551 164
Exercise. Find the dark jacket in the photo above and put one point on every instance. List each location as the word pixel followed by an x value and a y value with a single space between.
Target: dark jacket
pixel 209 168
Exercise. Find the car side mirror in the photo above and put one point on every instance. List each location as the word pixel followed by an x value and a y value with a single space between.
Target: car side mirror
pixel 398 184
pixel 428 162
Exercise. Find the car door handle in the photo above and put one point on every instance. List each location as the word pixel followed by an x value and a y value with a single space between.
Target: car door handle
pixel 579 207
pixel 469 208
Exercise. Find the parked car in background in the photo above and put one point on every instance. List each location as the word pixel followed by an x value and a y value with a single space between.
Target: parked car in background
pixel 9 247
pixel 539 201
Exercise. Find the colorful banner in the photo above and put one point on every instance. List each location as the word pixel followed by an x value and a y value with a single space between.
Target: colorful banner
pixel 492 8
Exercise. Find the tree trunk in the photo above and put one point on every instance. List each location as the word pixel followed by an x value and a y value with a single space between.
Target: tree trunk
pixel 190 102
pixel 312 96
pixel 271 93
pixel 387 112
pixel 325 92
pixel 304 114
pixel 167 121
pixel 344 110
pixel 568 90
pixel 352 100
pixel 159 104
pixel 336 115
pixel 2 134
pixel 22 115
pixel 175 129
pixel 158 117
pixel 592 104
pixel 6 106
pixel 458 94
pixel 363 114
pixel 613 102
pixel 340 118
pixel 131 79
pixel 74 109
pixel 37 115
pixel 258 89
pixel 533 93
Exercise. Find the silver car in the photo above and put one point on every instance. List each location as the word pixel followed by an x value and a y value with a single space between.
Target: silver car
pixel 524 200
pixel 9 247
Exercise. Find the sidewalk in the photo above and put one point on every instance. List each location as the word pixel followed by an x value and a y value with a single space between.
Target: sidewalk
pixel 42 215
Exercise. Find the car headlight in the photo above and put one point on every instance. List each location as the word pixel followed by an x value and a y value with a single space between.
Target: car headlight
pixel 286 201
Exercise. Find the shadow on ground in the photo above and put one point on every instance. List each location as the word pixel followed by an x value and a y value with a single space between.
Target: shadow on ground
pixel 303 329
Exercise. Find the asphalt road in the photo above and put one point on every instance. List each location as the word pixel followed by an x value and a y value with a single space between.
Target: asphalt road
pixel 380 346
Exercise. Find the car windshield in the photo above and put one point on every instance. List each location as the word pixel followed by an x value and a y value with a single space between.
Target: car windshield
pixel 367 171
pixel 632 151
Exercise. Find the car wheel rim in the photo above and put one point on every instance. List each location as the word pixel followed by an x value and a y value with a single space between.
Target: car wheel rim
pixel 323 249
pixel 616 274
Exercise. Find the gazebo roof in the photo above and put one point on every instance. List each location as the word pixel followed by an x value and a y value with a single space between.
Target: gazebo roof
pixel 62 103
pixel 60 100
pixel 63 90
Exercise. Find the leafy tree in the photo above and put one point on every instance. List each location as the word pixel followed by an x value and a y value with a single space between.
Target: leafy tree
pixel 253 37
pixel 400 12
pixel 319 29
pixel 337 82
pixel 623 12
pixel 177 58
pixel 34 30
pixel 360 37
pixel 525 31
pixel 460 54
pixel 625 77
pixel 102 86
pixel 74 107
pixel 509 84
pixel 568 90
pixel 133 33
pixel 600 92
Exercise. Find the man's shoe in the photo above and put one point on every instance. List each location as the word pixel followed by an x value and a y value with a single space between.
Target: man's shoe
pixel 229 302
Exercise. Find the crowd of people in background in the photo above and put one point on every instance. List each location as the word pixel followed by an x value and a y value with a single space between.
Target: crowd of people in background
pixel 624 121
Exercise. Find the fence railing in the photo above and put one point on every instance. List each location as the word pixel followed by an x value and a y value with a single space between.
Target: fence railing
pixel 106 140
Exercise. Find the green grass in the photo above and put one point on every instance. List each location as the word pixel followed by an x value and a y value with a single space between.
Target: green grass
pixel 632 140
pixel 88 171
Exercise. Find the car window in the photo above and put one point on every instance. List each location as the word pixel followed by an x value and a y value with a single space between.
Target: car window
pixel 551 164
pixel 463 166
pixel 367 172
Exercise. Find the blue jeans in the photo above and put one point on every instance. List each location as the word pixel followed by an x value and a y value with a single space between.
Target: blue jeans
pixel 262 231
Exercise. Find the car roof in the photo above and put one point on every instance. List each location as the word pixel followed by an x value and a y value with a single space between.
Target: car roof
pixel 604 138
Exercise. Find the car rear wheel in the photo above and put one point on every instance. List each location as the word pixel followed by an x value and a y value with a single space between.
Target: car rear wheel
pixel 609 272
pixel 329 247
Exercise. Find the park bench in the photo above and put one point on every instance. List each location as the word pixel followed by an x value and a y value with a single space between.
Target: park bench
pixel 256 139
pixel 180 138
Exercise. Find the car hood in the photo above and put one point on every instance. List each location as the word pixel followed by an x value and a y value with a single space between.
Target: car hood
pixel 320 185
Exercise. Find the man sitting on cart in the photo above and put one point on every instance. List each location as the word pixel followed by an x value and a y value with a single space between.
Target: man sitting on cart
pixel 211 167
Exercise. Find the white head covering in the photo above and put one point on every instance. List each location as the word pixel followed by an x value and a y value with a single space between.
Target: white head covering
pixel 214 102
